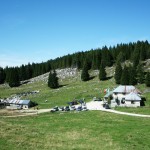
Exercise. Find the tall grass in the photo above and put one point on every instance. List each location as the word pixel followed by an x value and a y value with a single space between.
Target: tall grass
pixel 85 130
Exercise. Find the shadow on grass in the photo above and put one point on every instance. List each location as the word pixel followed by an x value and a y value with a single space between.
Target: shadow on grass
pixel 91 78
pixel 108 78
pixel 60 86
pixel 142 103
pixel 24 82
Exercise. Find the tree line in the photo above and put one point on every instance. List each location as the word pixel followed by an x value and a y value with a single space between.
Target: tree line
pixel 131 75
pixel 93 59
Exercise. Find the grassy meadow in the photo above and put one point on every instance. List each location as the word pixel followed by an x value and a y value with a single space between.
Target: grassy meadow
pixel 91 130
pixel 71 88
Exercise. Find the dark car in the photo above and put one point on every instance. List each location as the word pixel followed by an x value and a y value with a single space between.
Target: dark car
pixel 107 106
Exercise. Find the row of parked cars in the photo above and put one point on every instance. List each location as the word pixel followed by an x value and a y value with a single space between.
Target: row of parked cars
pixel 69 108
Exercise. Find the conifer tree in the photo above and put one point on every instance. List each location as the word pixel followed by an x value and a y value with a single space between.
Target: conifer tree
pixel 85 75
pixel 121 57
pixel 14 78
pixel 147 80
pixel 132 76
pixel 136 54
pixel 118 72
pixel 53 80
pixel 140 74
pixel 50 80
pixel 22 73
pixel 125 76
pixel 2 75
pixel 102 72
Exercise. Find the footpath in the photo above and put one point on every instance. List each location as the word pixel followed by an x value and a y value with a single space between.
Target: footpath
pixel 93 105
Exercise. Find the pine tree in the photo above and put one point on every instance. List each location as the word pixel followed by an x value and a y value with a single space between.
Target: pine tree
pixel 22 73
pixel 29 71
pixel 53 80
pixel 85 75
pixel 140 74
pixel 136 55
pixel 2 75
pixel 147 80
pixel 121 57
pixel 50 80
pixel 125 76
pixel 102 72
pixel 14 78
pixel 132 76
pixel 118 72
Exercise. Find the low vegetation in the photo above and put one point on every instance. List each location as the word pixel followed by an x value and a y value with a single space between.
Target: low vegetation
pixel 85 130
pixel 73 130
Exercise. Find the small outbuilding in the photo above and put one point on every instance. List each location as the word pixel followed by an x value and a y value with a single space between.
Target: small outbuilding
pixel 25 104
pixel 18 104
pixel 126 95
pixel 133 99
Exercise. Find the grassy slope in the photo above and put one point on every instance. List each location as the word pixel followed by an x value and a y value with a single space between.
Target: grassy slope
pixel 71 89
pixel 84 130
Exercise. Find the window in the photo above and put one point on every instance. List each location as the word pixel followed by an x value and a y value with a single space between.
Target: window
pixel 132 102
pixel 123 101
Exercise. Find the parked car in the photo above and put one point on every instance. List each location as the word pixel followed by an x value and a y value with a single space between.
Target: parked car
pixel 67 108
pixel 97 99
pixel 107 106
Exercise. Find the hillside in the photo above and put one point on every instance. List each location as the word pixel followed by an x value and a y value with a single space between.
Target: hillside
pixel 73 130
pixel 136 53
pixel 71 87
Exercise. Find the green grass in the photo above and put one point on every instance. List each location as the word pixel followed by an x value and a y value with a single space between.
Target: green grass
pixel 71 89
pixel 139 110
pixel 90 130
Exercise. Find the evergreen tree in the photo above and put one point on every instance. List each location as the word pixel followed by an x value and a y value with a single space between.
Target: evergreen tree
pixel 147 80
pixel 143 53
pixel 85 75
pixel 53 80
pixel 148 53
pixel 102 72
pixel 140 74
pixel 136 54
pixel 121 57
pixel 135 51
pixel 125 76
pixel 22 73
pixel 132 76
pixel 106 57
pixel 2 75
pixel 29 71
pixel 50 80
pixel 14 78
pixel 7 72
pixel 118 72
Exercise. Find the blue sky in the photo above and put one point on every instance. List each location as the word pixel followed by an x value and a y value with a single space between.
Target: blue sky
pixel 39 30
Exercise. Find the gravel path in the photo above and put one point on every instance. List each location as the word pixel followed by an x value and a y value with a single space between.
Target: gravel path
pixel 125 113
pixel 98 105
pixel 93 105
